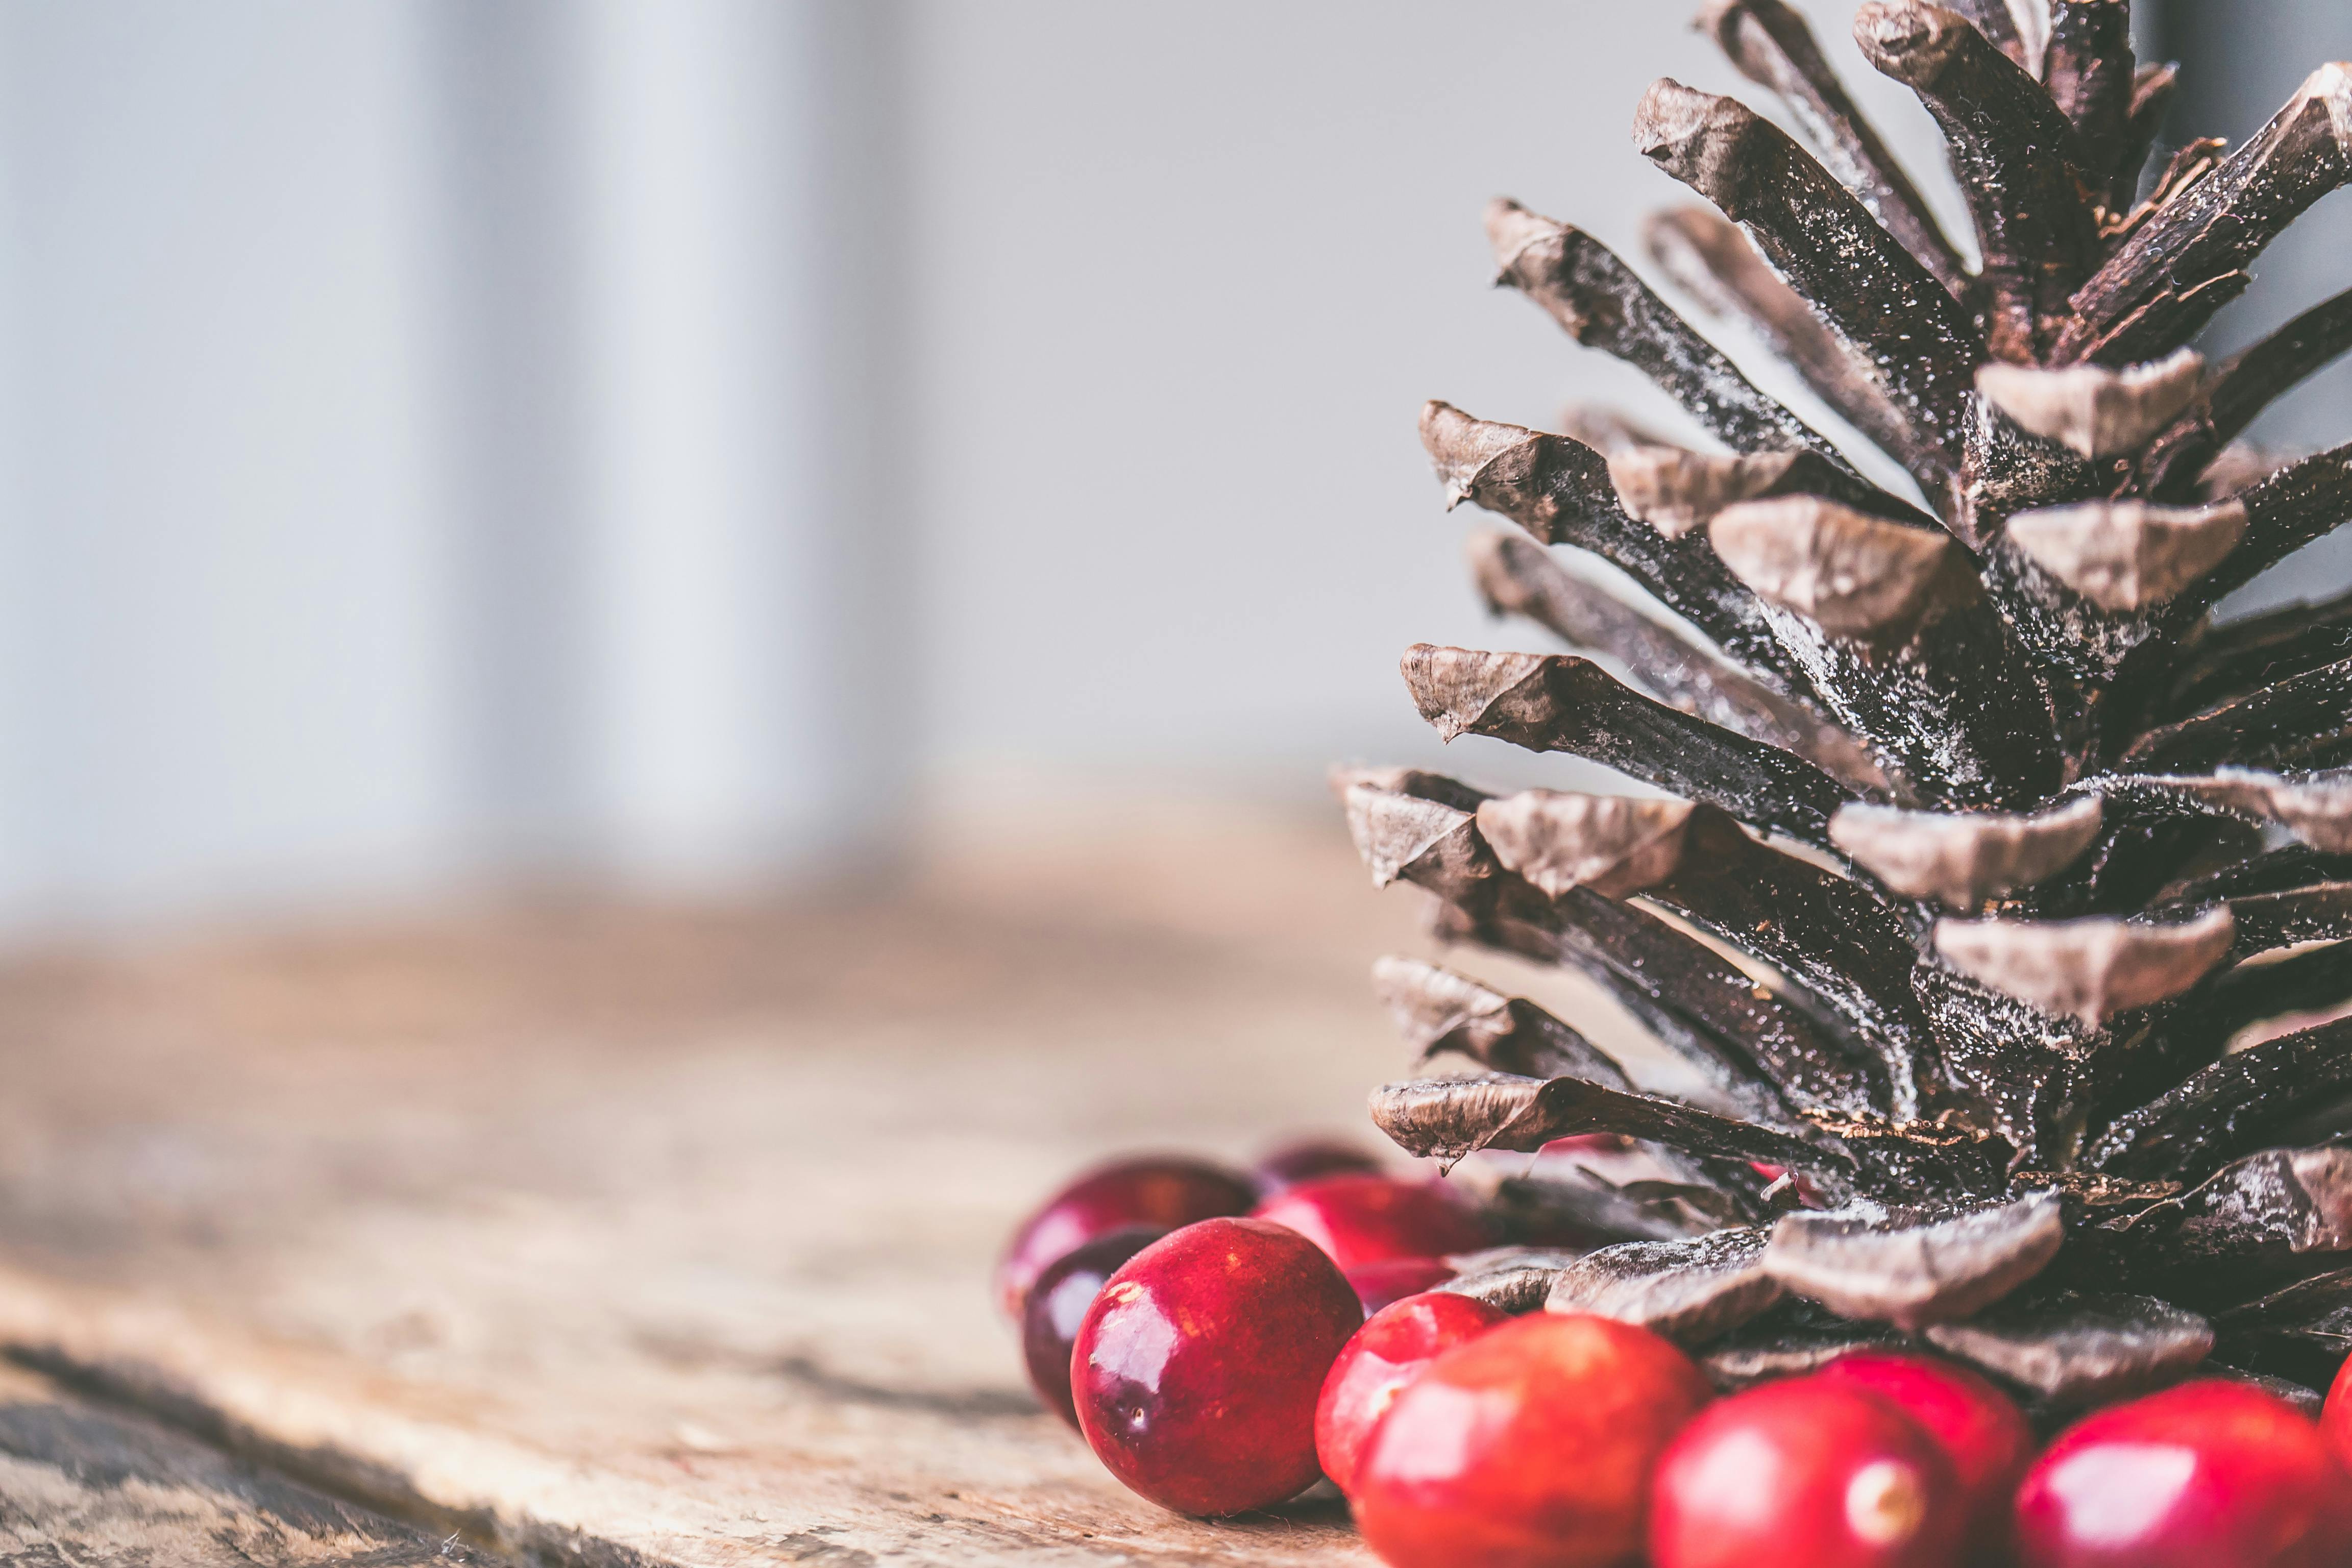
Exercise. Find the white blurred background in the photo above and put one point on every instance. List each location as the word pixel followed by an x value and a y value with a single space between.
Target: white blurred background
pixel 449 444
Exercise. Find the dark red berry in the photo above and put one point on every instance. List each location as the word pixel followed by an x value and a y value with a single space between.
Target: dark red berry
pixel 1813 1473
pixel 1198 1367
pixel 1167 1190
pixel 1311 1159
pixel 1381 1284
pixel 1530 1447
pixel 2335 1420
pixel 2207 1475
pixel 1394 1345
pixel 1979 1428
pixel 1058 1304
pixel 1369 1219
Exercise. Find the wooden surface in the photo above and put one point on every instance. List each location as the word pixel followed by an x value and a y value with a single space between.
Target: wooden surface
pixel 83 1484
pixel 598 1235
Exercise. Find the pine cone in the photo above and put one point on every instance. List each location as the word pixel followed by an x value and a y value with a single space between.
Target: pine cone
pixel 2023 1019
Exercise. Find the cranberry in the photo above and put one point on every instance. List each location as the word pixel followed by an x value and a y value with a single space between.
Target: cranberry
pixel 1370 1219
pixel 1814 1473
pixel 1058 1303
pixel 2335 1421
pixel 1530 1447
pixel 1394 1343
pixel 1311 1159
pixel 2207 1475
pixel 1979 1428
pixel 1198 1367
pixel 1162 1190
pixel 1387 1282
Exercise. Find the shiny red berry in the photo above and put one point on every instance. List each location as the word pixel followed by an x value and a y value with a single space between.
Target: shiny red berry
pixel 2335 1420
pixel 1363 1219
pixel 1812 1473
pixel 1394 1345
pixel 1167 1190
pixel 1311 1159
pixel 2207 1475
pixel 1530 1447
pixel 1390 1280
pixel 1979 1428
pixel 1058 1304
pixel 1197 1369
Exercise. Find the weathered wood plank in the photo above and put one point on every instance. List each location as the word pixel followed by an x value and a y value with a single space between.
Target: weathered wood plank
pixel 611 1236
pixel 82 1485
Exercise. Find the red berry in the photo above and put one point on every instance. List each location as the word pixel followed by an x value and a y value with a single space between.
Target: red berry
pixel 1979 1428
pixel 1531 1447
pixel 2207 1475
pixel 2335 1421
pixel 1167 1190
pixel 1058 1304
pixel 1385 1283
pixel 1197 1369
pixel 1370 1219
pixel 1812 1473
pixel 1394 1345
pixel 1310 1159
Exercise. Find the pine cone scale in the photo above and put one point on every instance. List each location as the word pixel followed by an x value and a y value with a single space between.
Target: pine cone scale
pixel 2022 890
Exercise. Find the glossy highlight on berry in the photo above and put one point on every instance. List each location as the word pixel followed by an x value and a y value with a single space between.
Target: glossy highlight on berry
pixel 1388 1353
pixel 2335 1417
pixel 1165 1190
pixel 1812 1473
pixel 1979 1429
pixel 1987 868
pixel 1197 1369
pixel 2207 1475
pixel 1363 1219
pixel 1057 1305
pixel 1530 1447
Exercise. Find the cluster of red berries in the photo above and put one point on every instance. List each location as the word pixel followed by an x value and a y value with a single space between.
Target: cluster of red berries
pixel 1223 1341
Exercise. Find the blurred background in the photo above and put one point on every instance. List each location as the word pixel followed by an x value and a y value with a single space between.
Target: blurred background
pixel 679 444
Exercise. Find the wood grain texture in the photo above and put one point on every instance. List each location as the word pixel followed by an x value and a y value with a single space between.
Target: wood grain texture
pixel 81 1484
pixel 618 1236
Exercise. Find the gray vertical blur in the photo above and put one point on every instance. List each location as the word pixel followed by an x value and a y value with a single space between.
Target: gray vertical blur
pixel 663 306
pixel 433 445
pixel 667 330
pixel 445 440
pixel 222 666
pixel 1189 274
